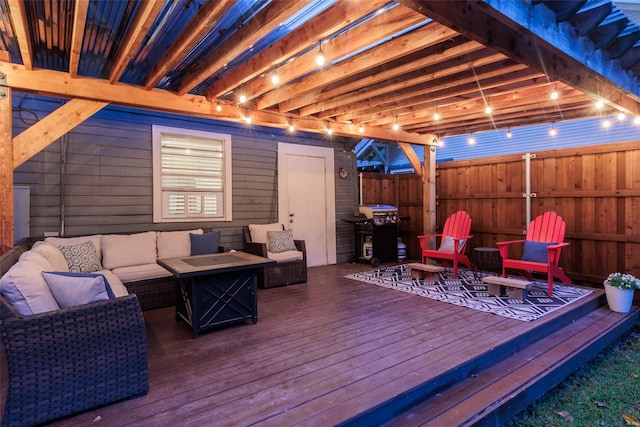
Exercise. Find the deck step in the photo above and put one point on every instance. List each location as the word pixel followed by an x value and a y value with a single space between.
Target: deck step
pixel 493 395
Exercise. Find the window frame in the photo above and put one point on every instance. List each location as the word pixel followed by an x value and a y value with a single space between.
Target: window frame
pixel 159 199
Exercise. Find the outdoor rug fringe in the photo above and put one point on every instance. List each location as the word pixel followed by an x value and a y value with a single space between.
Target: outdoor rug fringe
pixel 467 291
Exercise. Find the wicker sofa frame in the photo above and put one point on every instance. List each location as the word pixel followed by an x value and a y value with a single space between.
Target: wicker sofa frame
pixel 282 273
pixel 70 360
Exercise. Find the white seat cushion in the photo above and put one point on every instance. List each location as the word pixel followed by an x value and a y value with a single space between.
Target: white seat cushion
pixel 140 272
pixel 285 256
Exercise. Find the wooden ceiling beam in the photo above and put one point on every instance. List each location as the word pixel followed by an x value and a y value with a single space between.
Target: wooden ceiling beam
pixel 521 31
pixel 323 25
pixel 23 35
pixel 362 36
pixel 77 32
pixel 401 102
pixel 201 24
pixel 447 62
pixel 61 85
pixel 145 16
pixel 262 24
pixel 420 38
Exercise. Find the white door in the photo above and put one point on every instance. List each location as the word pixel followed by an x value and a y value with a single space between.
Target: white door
pixel 306 199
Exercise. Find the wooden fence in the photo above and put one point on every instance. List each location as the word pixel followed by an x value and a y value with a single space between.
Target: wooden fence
pixel 595 189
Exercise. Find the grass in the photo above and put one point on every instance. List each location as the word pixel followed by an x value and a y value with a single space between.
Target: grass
pixel 603 392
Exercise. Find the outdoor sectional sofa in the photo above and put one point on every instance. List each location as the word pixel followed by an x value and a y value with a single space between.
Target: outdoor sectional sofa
pixel 66 360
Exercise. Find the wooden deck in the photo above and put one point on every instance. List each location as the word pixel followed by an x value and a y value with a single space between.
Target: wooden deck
pixel 340 352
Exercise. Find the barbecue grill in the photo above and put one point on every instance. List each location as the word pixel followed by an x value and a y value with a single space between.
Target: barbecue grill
pixel 376 233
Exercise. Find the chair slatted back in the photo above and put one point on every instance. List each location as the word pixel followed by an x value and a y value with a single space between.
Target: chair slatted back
pixel 457 225
pixel 548 227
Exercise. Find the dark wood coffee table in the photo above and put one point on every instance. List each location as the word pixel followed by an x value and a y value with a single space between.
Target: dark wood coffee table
pixel 216 289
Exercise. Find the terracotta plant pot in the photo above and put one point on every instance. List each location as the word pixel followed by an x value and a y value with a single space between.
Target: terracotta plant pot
pixel 619 300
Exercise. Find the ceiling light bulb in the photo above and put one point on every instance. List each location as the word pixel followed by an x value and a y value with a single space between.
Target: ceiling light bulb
pixel 291 128
pixel 599 104
pixel 553 131
pixel 361 129
pixel 275 79
pixel 396 126
pixel 606 123
pixel 329 131
pixel 320 58
pixel 218 107
pixel 471 140
pixel 488 109
pixel 247 119
pixel 436 116
pixel 509 134
pixel 621 116
pixel 636 121
pixel 554 94
pixel 243 98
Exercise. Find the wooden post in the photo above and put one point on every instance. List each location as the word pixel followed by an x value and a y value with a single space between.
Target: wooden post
pixel 429 193
pixel 6 166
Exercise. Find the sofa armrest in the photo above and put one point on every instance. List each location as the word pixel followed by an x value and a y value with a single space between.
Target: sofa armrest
pixel 302 247
pixel 86 356
pixel 259 249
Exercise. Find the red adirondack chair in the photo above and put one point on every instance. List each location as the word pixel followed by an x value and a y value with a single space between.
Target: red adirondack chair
pixel 453 242
pixel 544 240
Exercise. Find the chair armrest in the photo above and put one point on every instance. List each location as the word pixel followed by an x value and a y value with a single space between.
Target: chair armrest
pixel 259 249
pixel 504 247
pixel 302 247
pixel 462 238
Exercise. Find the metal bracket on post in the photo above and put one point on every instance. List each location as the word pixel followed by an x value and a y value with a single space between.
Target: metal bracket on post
pixel 3 85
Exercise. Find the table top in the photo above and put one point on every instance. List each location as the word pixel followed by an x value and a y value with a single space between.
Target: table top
pixel 199 265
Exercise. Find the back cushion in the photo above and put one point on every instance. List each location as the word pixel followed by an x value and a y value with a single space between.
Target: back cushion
pixel 173 244
pixel 259 232
pixel 52 254
pixel 25 288
pixel 123 250
pixel 71 241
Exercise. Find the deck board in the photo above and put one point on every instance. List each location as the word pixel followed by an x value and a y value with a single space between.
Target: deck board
pixel 321 353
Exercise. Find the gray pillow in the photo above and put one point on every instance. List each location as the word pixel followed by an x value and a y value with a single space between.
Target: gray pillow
pixel 81 258
pixel 281 241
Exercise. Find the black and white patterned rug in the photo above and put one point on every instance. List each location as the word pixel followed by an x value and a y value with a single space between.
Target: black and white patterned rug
pixel 467 291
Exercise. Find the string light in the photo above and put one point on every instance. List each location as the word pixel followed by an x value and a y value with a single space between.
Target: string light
pixel 636 121
pixel 320 57
pixel 599 104
pixel 361 129
pixel 488 109
pixel 554 93
pixel 553 131
pixel 436 115
pixel 291 127
pixel 247 119
pixel 274 78
pixel 218 106
pixel 243 98
pixel 606 122
pixel 621 116
pixel 396 126
pixel 471 140
pixel 509 134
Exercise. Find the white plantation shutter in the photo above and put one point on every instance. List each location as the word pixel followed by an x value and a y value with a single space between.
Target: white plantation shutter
pixel 193 174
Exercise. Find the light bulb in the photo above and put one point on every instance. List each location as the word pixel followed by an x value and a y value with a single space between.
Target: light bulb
pixel 488 109
pixel 599 104
pixel 436 116
pixel 509 134
pixel 329 131
pixel 553 131
pixel 471 140
pixel 361 129
pixel 396 126
pixel 247 119
pixel 275 79
pixel 636 121
pixel 606 123
pixel 320 58
pixel 243 98
pixel 621 116
pixel 291 128
pixel 218 107
pixel 554 94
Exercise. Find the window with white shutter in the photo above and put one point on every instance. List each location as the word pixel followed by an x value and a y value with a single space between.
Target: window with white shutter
pixel 191 175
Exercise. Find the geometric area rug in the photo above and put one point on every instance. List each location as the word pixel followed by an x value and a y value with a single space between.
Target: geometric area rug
pixel 467 291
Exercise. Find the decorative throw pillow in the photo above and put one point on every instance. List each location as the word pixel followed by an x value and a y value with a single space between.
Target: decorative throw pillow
pixel 81 258
pixel 536 251
pixel 71 289
pixel 281 241
pixel 207 243
pixel 447 244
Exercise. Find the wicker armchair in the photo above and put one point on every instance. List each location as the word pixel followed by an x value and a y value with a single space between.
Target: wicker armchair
pixel 281 273
pixel 69 360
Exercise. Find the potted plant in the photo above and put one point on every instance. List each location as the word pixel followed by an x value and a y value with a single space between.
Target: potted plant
pixel 619 289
